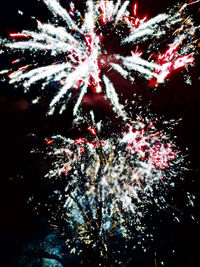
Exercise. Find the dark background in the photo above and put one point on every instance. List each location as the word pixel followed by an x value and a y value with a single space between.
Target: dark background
pixel 19 119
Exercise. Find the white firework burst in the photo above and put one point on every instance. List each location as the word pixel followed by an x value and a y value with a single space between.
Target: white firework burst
pixel 109 183
pixel 77 54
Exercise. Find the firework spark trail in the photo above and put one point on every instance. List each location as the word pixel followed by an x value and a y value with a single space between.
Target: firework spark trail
pixel 57 10
pixel 83 92
pixel 81 47
pixel 121 11
pixel 38 74
pixel 142 66
pixel 73 77
pixel 108 10
pixel 147 28
pixel 112 95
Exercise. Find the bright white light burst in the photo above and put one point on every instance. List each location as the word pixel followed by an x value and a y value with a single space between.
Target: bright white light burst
pixel 110 182
pixel 79 58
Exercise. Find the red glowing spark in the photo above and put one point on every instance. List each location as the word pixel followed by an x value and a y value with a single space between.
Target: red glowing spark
pixel 49 142
pixel 135 9
pixel 136 21
pixel 143 20
pixel 72 9
pixel 136 53
pixel 10 74
pixel 18 35
pixel 88 40
pixel 192 3
pixel 16 61
pixel 92 130
pixel 23 68
pixel 81 150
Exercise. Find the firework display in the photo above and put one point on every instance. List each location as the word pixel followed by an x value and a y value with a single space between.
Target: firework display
pixel 109 182
pixel 80 58
pixel 102 187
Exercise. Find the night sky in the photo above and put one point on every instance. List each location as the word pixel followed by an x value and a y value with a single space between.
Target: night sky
pixel 21 172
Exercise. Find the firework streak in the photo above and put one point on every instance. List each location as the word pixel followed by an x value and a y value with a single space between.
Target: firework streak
pixel 80 58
